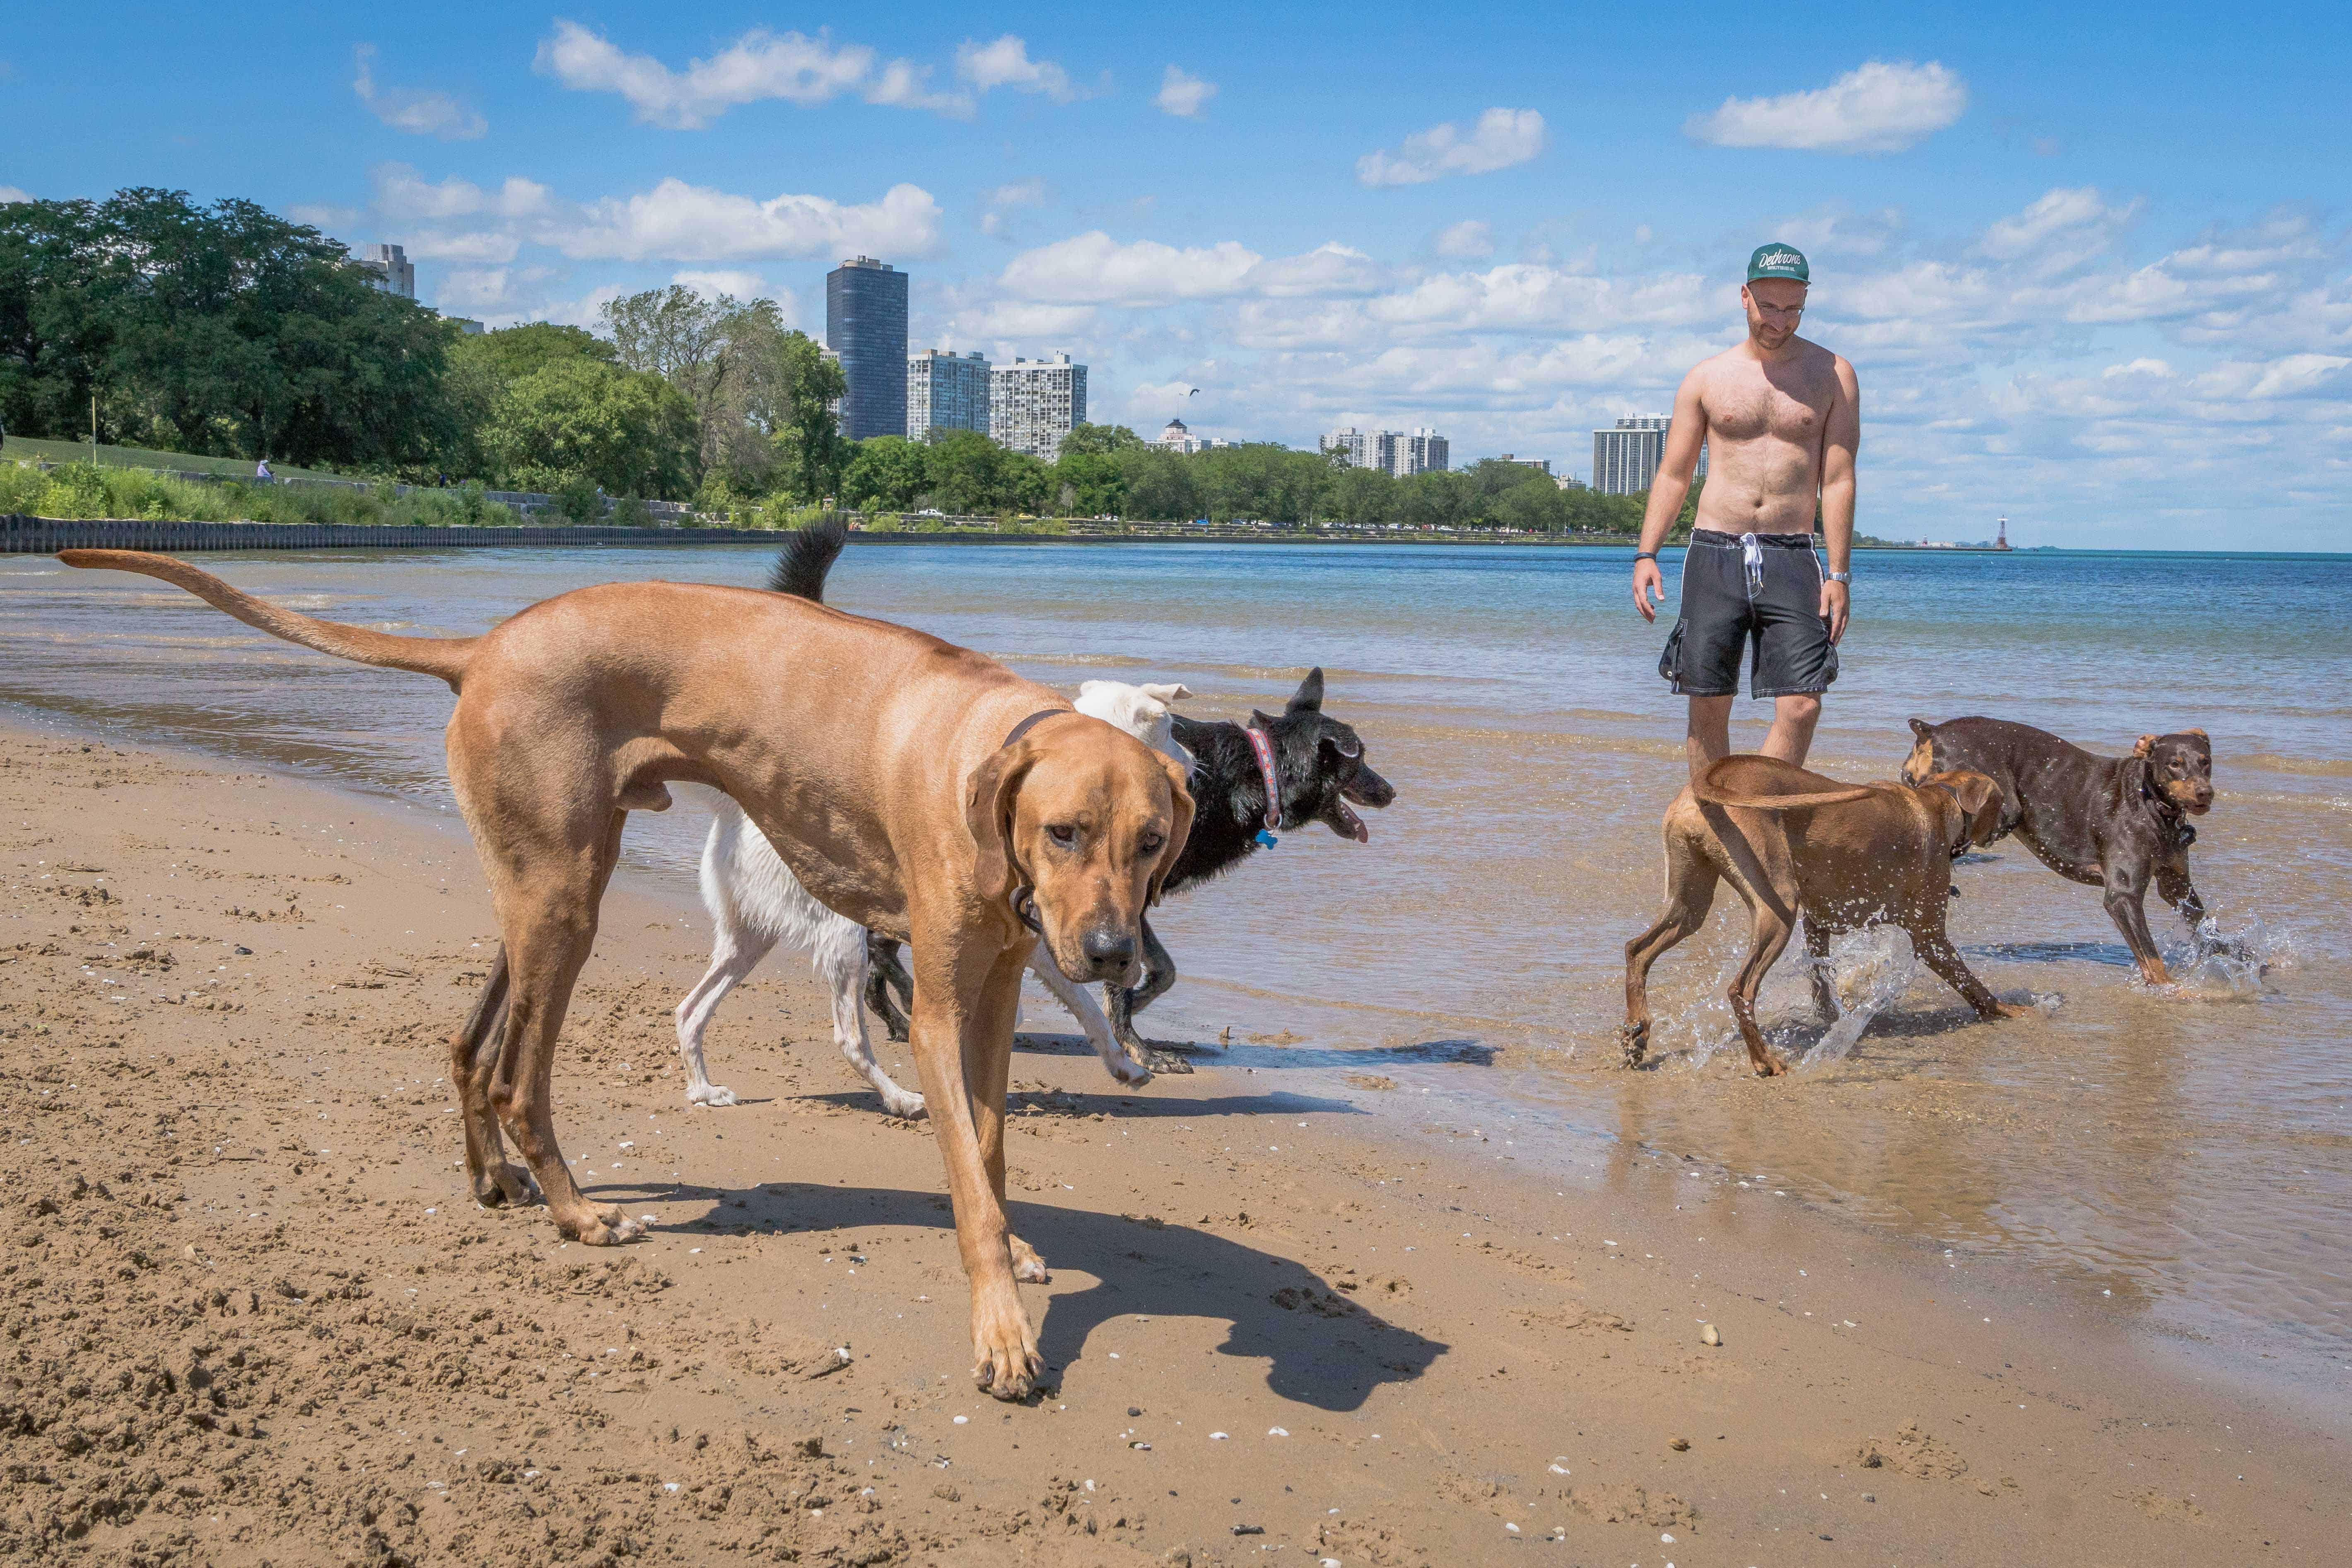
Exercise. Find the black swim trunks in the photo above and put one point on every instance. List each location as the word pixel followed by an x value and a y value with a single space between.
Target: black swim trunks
pixel 1735 585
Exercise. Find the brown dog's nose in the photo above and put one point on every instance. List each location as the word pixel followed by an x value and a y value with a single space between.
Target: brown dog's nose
pixel 1107 948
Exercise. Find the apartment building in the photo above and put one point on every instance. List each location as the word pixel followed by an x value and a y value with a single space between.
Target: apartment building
pixel 946 391
pixel 1034 403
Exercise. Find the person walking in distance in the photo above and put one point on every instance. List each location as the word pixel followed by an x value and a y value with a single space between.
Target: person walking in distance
pixel 1781 418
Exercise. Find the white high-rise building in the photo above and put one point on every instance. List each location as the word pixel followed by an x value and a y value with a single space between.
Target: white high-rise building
pixel 391 270
pixel 1034 403
pixel 1625 459
pixel 946 391
pixel 1396 452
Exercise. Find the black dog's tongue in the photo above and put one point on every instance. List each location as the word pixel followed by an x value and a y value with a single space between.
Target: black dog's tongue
pixel 1361 834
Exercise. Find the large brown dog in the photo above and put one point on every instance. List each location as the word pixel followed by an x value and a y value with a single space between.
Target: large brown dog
pixel 2116 822
pixel 917 788
pixel 1843 855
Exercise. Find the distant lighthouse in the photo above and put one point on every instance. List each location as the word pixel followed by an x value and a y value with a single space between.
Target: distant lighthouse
pixel 2001 541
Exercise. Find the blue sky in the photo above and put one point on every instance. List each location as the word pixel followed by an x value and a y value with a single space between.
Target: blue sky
pixel 2094 272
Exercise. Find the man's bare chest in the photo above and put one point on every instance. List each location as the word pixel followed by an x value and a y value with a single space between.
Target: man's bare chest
pixel 1751 407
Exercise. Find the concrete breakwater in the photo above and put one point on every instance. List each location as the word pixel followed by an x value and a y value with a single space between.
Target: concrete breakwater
pixel 21 535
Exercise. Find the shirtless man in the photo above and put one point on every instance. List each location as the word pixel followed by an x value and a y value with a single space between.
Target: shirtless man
pixel 1782 417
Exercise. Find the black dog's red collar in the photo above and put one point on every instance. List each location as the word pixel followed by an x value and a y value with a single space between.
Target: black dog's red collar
pixel 1263 746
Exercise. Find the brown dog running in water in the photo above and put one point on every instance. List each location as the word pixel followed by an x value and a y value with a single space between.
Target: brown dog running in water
pixel 1843 855
pixel 2114 823
pixel 916 788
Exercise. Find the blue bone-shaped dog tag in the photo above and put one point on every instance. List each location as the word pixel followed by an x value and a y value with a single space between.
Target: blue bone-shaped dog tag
pixel 1266 839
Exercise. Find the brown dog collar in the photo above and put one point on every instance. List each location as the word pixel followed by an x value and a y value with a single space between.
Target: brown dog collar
pixel 1031 722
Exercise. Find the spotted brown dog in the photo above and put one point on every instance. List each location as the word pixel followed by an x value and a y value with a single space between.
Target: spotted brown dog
pixel 2119 824
pixel 917 787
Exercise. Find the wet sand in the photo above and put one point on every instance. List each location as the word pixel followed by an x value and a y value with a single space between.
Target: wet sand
pixel 2177 1164
pixel 254 1318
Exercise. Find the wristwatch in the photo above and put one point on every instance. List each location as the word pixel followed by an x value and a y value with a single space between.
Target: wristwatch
pixel 1840 576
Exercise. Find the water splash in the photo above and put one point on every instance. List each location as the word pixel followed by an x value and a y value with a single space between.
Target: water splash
pixel 2219 964
pixel 1870 970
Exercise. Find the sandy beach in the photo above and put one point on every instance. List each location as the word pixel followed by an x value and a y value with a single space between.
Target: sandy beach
pixel 254 1317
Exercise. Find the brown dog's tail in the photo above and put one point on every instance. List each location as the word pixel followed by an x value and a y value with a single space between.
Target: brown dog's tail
pixel 1718 785
pixel 443 656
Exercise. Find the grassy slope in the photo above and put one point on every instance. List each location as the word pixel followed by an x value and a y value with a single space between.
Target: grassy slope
pixel 28 449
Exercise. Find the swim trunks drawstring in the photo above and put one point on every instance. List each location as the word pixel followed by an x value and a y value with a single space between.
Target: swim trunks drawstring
pixel 1751 555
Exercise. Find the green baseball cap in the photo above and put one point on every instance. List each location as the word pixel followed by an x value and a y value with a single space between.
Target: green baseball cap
pixel 1778 260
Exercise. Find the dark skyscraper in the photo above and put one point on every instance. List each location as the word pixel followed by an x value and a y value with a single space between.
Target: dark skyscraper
pixel 866 324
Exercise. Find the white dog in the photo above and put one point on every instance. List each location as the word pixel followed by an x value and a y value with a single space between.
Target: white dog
pixel 756 903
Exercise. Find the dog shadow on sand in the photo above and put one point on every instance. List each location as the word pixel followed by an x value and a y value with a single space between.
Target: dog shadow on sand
pixel 1321 1347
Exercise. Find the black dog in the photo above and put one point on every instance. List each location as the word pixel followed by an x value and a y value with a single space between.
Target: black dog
pixel 1319 765
pixel 2116 823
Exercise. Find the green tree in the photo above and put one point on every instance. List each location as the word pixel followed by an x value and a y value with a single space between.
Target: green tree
pixel 889 473
pixel 222 330
pixel 1100 441
pixel 582 418
pixel 1088 484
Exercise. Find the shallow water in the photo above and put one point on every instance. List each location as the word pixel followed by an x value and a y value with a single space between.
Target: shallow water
pixel 2182 1160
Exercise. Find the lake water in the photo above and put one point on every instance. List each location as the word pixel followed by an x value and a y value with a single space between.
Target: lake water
pixel 2182 1159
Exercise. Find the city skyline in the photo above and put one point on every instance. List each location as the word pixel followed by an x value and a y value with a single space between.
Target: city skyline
pixel 2067 300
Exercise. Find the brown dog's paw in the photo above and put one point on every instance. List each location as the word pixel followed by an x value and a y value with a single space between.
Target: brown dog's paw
pixel 607 1227
pixel 1027 1267
pixel 1770 1065
pixel 505 1186
pixel 1634 1042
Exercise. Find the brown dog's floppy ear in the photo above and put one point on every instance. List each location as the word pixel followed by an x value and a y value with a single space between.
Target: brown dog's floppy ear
pixel 1179 830
pixel 2200 734
pixel 988 800
pixel 1975 791
pixel 1980 799
pixel 2147 744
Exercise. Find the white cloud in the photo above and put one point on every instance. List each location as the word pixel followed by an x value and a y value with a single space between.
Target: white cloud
pixel 2063 228
pixel 1006 63
pixel 11 193
pixel 1502 138
pixel 1472 237
pixel 1000 200
pixel 1182 94
pixel 677 221
pixel 2138 367
pixel 317 215
pixel 712 285
pixel 1095 269
pixel 413 110
pixel 1877 108
pixel 757 66
pixel 401 195
pixel 474 247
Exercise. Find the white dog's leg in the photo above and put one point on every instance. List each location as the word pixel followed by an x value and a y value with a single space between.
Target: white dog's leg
pixel 839 956
pixel 733 955
pixel 1082 1006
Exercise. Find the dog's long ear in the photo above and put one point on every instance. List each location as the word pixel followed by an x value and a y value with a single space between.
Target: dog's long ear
pixel 2147 744
pixel 1975 791
pixel 1922 728
pixel 1309 698
pixel 988 800
pixel 1980 803
pixel 2200 734
pixel 1180 798
pixel 1165 692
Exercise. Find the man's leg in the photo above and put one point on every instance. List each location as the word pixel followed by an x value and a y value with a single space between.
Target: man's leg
pixel 1793 719
pixel 1710 732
